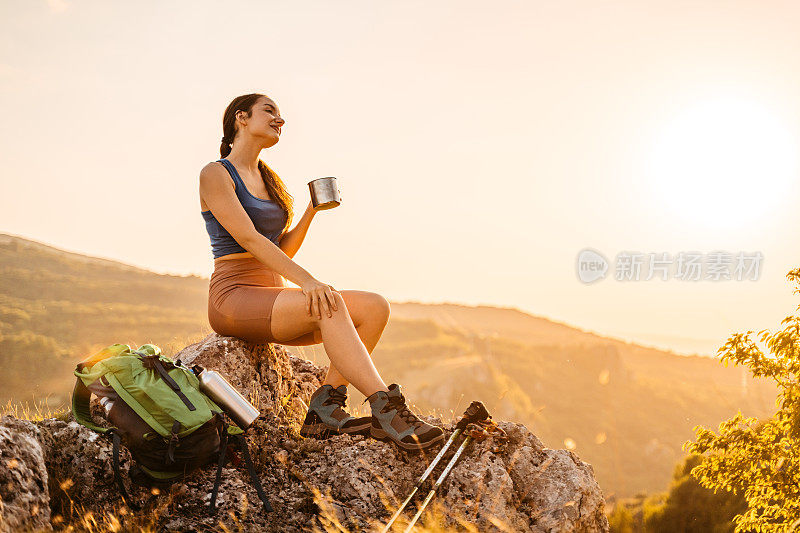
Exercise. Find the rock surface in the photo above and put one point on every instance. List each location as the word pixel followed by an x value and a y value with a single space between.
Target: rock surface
pixel 61 472
pixel 23 477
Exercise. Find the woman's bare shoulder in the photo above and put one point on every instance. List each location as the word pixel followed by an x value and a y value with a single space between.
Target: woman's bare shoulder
pixel 214 177
pixel 214 168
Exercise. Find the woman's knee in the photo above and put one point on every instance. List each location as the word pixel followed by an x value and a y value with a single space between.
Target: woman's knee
pixel 384 305
pixel 365 305
pixel 378 306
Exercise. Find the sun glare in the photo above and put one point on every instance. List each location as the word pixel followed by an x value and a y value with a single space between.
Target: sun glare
pixel 723 163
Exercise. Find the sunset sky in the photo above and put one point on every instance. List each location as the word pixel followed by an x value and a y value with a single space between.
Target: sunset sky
pixel 479 147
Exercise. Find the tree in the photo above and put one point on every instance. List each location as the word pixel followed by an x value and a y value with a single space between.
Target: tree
pixel 620 520
pixel 690 507
pixel 760 459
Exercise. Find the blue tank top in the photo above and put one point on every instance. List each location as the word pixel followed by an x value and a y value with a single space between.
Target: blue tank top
pixel 267 216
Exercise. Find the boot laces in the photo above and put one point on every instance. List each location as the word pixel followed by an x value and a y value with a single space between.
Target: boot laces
pixel 337 398
pixel 403 412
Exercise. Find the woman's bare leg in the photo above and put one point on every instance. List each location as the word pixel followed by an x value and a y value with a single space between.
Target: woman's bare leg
pixel 345 349
pixel 370 314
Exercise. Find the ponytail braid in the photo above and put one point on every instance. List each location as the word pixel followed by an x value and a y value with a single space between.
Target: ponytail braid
pixel 225 147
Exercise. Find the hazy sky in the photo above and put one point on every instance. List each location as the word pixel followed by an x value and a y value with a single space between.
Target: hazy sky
pixel 478 146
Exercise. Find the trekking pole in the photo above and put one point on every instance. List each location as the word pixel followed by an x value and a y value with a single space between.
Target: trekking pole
pixel 476 431
pixel 475 412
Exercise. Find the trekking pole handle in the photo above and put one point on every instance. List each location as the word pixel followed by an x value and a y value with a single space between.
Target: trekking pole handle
pixel 476 412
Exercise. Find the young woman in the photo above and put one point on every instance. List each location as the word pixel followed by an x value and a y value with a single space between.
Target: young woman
pixel 247 211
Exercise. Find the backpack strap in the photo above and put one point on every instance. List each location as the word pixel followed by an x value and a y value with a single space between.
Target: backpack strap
pixel 252 471
pixel 154 362
pixel 240 440
pixel 118 475
pixel 223 450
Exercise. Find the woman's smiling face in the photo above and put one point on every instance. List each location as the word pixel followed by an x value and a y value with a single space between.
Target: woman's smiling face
pixel 264 121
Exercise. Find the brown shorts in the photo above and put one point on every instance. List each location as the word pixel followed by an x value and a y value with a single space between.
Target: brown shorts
pixel 241 293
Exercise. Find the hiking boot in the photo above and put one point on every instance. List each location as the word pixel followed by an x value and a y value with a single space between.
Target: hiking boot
pixel 326 415
pixel 393 422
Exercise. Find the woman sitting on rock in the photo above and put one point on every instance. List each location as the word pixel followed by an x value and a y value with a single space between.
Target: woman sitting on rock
pixel 247 211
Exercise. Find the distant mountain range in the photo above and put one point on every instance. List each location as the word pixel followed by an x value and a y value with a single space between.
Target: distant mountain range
pixel 627 409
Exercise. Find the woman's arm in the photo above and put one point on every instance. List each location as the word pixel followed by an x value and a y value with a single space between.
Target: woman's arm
pixel 217 191
pixel 291 240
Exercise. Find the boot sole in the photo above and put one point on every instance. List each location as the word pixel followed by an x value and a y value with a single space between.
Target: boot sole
pixel 321 431
pixel 381 435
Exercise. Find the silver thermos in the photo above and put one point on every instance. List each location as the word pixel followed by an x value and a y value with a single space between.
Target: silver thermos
pixel 324 193
pixel 236 406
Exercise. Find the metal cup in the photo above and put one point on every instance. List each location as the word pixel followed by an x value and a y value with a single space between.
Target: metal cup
pixel 324 193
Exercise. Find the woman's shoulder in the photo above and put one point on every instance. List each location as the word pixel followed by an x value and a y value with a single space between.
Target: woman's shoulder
pixel 216 164
pixel 215 172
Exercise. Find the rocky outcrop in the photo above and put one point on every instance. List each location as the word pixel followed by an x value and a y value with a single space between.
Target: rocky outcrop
pixel 60 472
pixel 23 477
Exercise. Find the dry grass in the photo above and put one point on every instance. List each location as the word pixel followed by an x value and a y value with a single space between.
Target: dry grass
pixel 34 413
pixel 80 519
pixel 433 520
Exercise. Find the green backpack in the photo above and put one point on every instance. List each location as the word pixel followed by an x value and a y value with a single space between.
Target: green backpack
pixel 159 413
